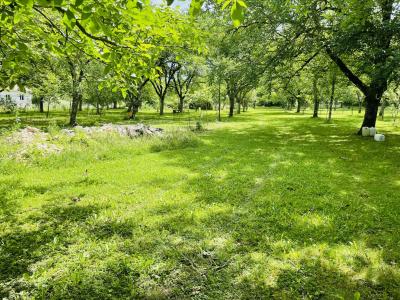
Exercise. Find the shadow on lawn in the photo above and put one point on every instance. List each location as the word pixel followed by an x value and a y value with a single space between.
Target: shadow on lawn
pixel 8 203
pixel 260 182
pixel 281 210
pixel 22 246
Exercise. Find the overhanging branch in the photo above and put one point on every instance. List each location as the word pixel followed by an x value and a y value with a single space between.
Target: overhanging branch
pixel 346 71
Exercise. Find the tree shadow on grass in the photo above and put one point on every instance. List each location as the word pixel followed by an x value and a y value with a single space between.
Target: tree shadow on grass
pixel 279 211
pixel 297 183
pixel 314 279
pixel 8 203
pixel 49 232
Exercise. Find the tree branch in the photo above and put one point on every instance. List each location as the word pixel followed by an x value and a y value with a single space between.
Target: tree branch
pixel 347 72
pixel 83 30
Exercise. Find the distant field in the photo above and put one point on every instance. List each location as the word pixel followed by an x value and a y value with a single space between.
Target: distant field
pixel 269 204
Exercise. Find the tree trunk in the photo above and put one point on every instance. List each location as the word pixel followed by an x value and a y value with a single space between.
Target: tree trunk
pixel 382 110
pixel 97 108
pixel 115 105
pixel 316 99
pixel 371 112
pixel 134 105
pixel 76 92
pixel 162 100
pixel 180 106
pixel 219 101
pixel 298 106
pixel 135 109
pixel 76 99
pixel 231 105
pixel 48 109
pixel 316 108
pixel 330 110
pixel 80 103
pixel 332 96
pixel 41 105
pixel 238 108
pixel 74 105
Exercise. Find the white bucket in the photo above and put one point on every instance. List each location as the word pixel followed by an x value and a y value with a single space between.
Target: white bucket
pixel 372 131
pixel 365 131
pixel 379 137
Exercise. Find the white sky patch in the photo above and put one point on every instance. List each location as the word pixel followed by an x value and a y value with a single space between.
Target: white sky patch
pixel 182 4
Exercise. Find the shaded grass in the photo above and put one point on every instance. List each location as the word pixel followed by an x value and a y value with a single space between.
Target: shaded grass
pixel 268 205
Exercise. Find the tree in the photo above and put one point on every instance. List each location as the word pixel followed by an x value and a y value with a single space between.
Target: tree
pixel 121 34
pixel 49 90
pixel 135 96
pixel 360 37
pixel 316 96
pixel 167 67
pixel 94 90
pixel 183 80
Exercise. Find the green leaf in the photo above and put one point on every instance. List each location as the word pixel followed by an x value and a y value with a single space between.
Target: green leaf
pixel 242 3
pixel 25 3
pixel 85 16
pixel 69 19
pixel 57 3
pixel 169 2
pixel 94 27
pixel 17 17
pixel 227 2
pixel 123 92
pixel 195 7
pixel 78 3
pixel 107 69
pixel 237 14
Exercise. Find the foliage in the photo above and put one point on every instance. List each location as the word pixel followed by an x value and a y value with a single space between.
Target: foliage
pixel 127 36
pixel 200 99
pixel 7 104
pixel 361 38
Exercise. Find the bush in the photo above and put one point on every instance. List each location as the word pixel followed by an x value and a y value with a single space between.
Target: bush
pixel 199 126
pixel 8 105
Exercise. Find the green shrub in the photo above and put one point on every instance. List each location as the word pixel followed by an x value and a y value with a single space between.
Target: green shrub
pixel 199 126
pixel 8 105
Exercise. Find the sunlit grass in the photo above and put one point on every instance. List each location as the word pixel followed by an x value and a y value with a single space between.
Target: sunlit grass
pixel 270 204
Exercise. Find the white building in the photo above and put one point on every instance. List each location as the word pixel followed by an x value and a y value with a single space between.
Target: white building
pixel 22 99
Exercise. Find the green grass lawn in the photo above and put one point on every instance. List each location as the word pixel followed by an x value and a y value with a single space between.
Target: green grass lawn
pixel 268 205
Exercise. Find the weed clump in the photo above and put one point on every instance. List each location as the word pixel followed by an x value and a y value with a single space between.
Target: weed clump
pixel 174 140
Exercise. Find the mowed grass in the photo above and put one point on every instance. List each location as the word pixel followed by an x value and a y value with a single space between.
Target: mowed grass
pixel 268 205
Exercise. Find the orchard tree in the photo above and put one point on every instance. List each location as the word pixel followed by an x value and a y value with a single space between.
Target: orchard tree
pixel 183 79
pixel 134 96
pixel 49 91
pixel 123 34
pixel 167 67
pixel 360 37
